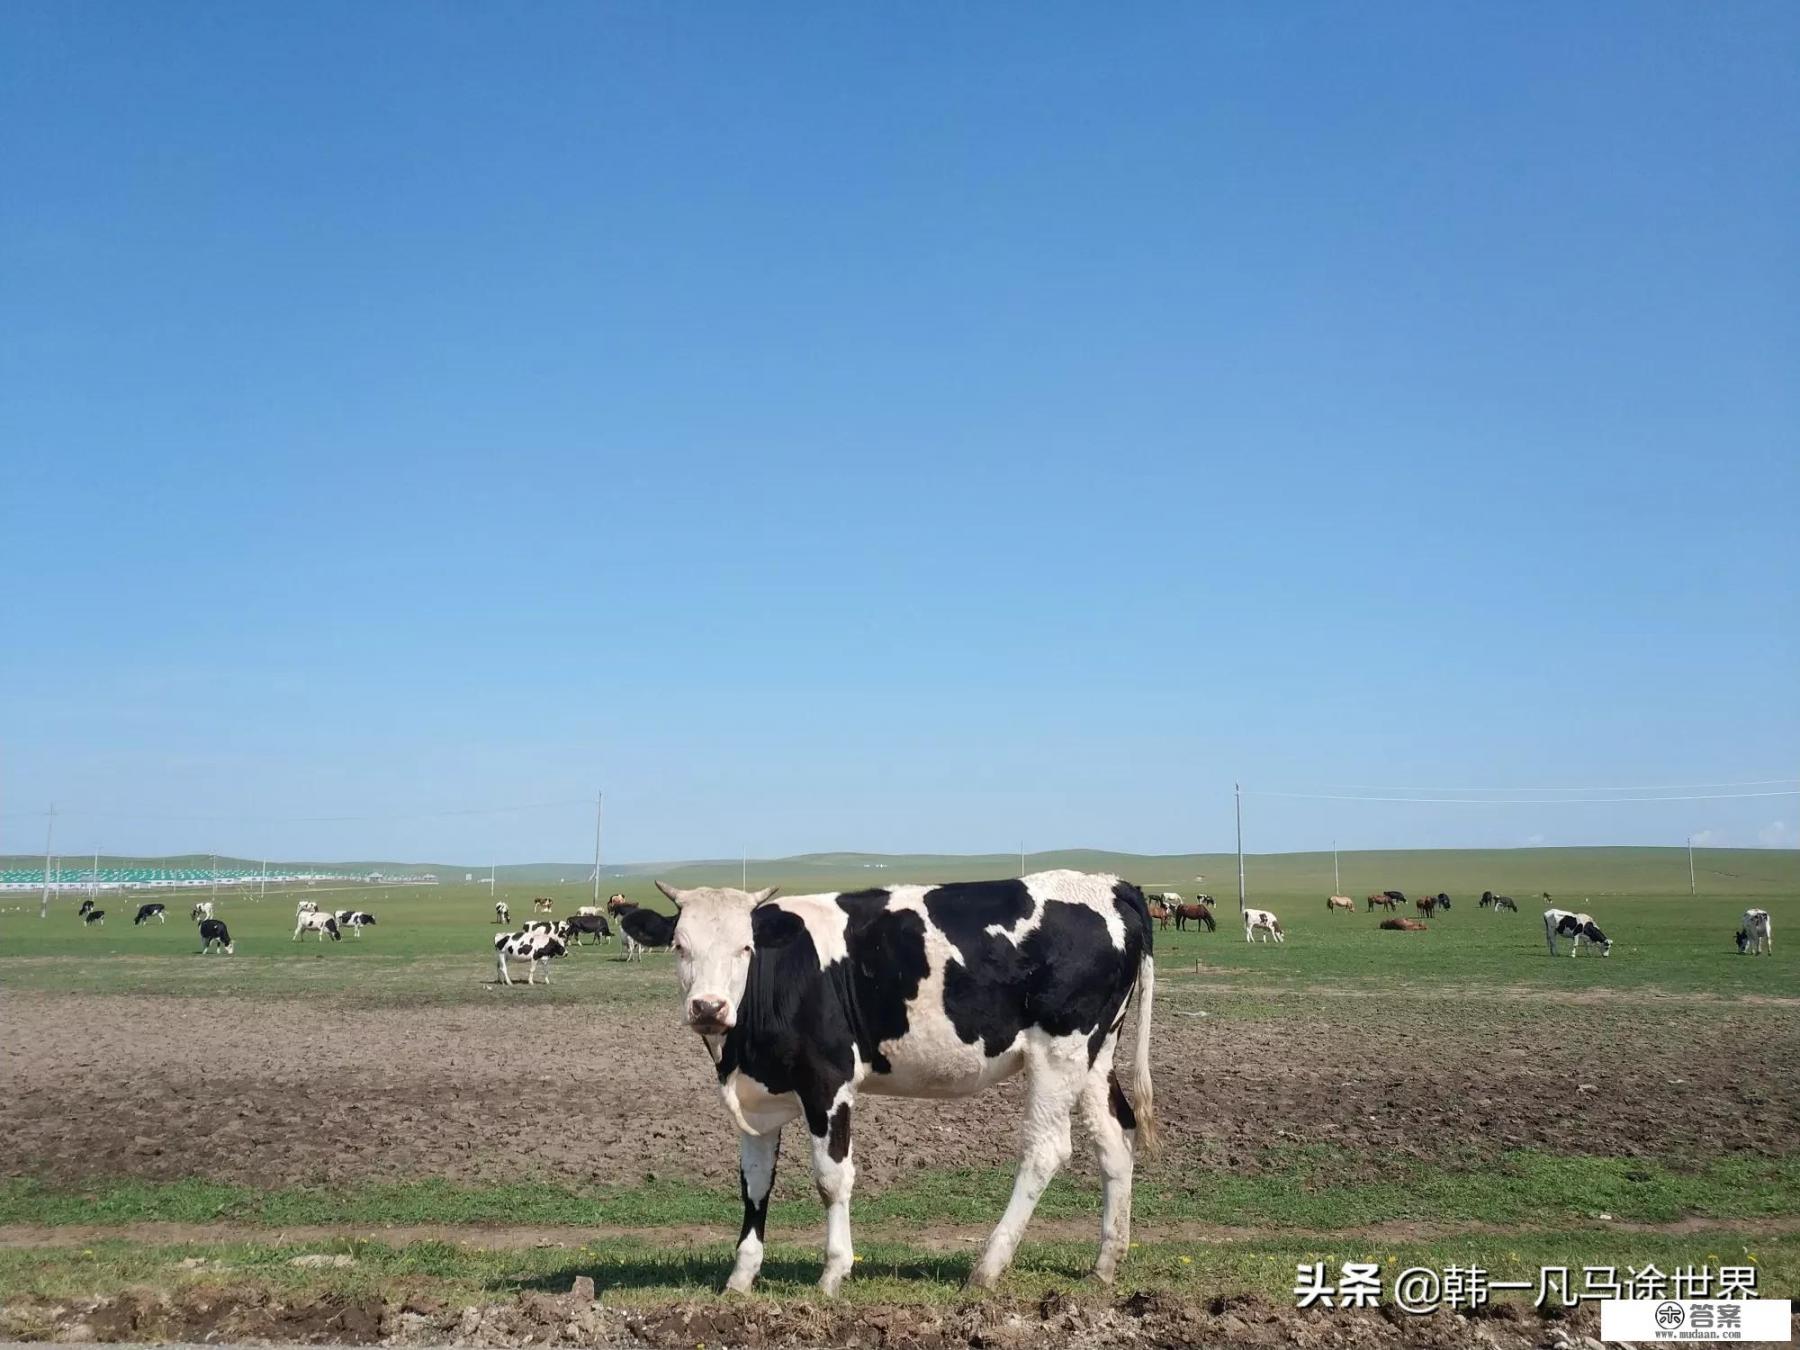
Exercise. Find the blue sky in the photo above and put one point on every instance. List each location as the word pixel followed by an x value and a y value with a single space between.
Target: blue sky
pixel 926 427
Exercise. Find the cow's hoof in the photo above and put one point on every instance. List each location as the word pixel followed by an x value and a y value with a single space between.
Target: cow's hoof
pixel 982 1278
pixel 830 1282
pixel 739 1284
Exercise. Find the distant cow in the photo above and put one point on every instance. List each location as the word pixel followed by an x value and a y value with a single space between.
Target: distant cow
pixel 1336 902
pixel 315 922
pixel 1443 902
pixel 1262 921
pixel 355 920
pixel 203 910
pixel 94 916
pixel 1579 928
pixel 1496 903
pixel 213 932
pixel 1403 925
pixel 1194 913
pixel 593 925
pixel 1381 898
pixel 502 914
pixel 537 948
pixel 1757 934
pixel 307 907
pixel 645 929
pixel 87 907
pixel 618 904
pixel 148 912
pixel 542 904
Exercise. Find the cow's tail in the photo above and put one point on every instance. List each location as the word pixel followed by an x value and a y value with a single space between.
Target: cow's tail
pixel 1145 1107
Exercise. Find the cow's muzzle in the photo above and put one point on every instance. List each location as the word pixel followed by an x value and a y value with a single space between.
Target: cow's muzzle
pixel 709 1016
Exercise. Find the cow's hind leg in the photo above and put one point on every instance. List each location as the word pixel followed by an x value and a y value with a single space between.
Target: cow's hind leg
pixel 1114 1126
pixel 1056 1069
pixel 834 1172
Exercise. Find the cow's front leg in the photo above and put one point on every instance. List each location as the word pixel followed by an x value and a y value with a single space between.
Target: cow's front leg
pixel 757 1154
pixel 834 1172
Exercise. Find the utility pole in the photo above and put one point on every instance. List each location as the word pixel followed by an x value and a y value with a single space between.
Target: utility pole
pixel 1336 885
pixel 492 869
pixel 1691 865
pixel 597 801
pixel 744 871
pixel 1237 792
pixel 215 877
pixel 49 836
pixel 265 880
pixel 1021 857
pixel 94 876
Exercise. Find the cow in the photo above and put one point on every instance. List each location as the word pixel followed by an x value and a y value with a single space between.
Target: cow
pixel 94 916
pixel 148 912
pixel 502 913
pixel 594 925
pixel 307 907
pixel 1443 902
pixel 1757 934
pixel 1262 921
pixel 538 948
pixel 1496 903
pixel 1160 912
pixel 618 904
pixel 1336 902
pixel 1579 928
pixel 542 904
pixel 1402 924
pixel 214 932
pixel 203 910
pixel 315 922
pixel 1425 904
pixel 1195 913
pixel 588 910
pixel 87 907
pixel 355 920
pixel 1381 898
pixel 645 929
pixel 922 991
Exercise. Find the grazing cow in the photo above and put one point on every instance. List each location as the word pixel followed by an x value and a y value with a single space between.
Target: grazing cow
pixel 1381 898
pixel 1580 928
pixel 307 907
pixel 1343 902
pixel 1425 904
pixel 1195 913
pixel 214 932
pixel 646 929
pixel 539 948
pixel 618 904
pixel 594 925
pixel 1262 921
pixel 542 904
pixel 148 912
pixel 1402 924
pixel 1496 903
pixel 1757 935
pixel 86 908
pixel 315 922
pixel 1443 902
pixel 1160 912
pixel 922 991
pixel 502 914
pixel 94 916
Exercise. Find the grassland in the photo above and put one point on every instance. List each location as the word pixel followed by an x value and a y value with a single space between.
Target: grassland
pixel 1511 1109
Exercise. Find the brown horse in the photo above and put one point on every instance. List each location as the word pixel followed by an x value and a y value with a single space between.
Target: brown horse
pixel 1381 898
pixel 1425 904
pixel 1160 912
pixel 1199 914
pixel 1342 902
pixel 1402 925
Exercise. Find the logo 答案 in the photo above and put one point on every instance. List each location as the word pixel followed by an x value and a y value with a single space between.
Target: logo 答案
pixel 1670 1316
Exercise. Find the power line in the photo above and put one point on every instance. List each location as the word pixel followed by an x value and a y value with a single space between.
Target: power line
pixel 309 820
pixel 1526 801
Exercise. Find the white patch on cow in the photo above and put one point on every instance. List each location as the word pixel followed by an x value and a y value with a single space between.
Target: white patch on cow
pixel 825 922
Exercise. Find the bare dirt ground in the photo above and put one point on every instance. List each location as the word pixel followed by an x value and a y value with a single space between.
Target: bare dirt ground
pixel 265 1094
pixel 205 1314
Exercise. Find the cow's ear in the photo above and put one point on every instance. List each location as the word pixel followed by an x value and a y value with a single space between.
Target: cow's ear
pixel 671 892
pixel 765 895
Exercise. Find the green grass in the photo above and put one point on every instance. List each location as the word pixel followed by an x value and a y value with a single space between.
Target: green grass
pixel 627 1272
pixel 1520 1187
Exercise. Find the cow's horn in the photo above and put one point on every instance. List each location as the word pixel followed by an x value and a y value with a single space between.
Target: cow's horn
pixel 670 891
pixel 767 893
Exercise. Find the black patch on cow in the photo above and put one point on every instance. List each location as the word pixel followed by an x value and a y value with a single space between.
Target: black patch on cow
pixel 647 928
pixel 1568 925
pixel 1593 933
pixel 1121 1106
pixel 838 1146
pixel 887 963
pixel 1065 976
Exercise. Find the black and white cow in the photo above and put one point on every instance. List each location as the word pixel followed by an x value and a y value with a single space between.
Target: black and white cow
pixel 214 931
pixel 317 921
pixel 203 910
pixel 591 925
pixel 354 920
pixel 922 991
pixel 94 916
pixel 645 930
pixel 1579 928
pixel 1756 933
pixel 148 912
pixel 87 908
pixel 539 947
pixel 502 912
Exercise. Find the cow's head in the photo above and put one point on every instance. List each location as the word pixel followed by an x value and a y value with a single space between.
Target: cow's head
pixel 1743 939
pixel 713 942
